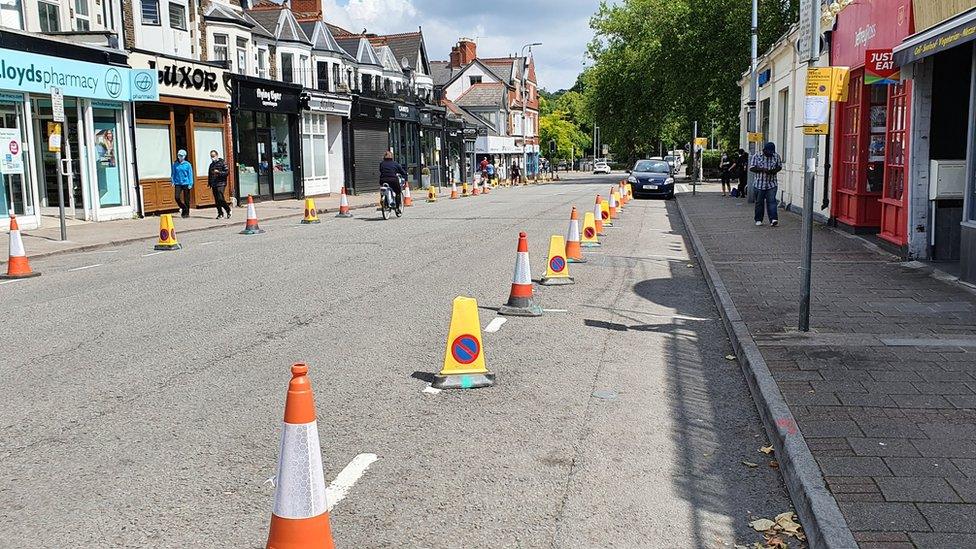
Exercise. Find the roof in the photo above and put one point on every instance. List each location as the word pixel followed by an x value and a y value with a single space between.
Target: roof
pixel 442 72
pixel 322 39
pixel 336 30
pixel 388 59
pixel 227 14
pixel 257 28
pixel 279 22
pixel 486 94
pixel 359 48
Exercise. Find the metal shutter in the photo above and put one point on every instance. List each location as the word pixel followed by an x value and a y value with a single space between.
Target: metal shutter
pixel 371 138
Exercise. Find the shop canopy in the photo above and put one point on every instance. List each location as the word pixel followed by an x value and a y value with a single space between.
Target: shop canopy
pixel 947 35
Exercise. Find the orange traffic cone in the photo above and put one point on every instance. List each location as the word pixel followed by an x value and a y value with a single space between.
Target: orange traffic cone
pixel 612 210
pixel 167 234
pixel 251 226
pixel 343 204
pixel 475 189
pixel 485 187
pixel 17 264
pixel 620 200
pixel 300 519
pixel 574 252
pixel 520 302
pixel 454 191
pixel 598 216
pixel 407 199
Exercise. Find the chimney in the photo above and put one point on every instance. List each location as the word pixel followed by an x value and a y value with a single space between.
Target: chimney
pixel 464 52
pixel 307 6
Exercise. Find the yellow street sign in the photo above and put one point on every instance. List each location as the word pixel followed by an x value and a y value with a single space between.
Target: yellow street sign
pixel 701 141
pixel 54 137
pixel 819 80
pixel 755 137
pixel 819 129
pixel 840 79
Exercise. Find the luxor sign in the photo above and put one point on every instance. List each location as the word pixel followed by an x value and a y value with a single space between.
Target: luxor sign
pixel 186 79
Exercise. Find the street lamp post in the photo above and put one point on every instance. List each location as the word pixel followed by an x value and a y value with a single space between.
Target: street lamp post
pixel 525 79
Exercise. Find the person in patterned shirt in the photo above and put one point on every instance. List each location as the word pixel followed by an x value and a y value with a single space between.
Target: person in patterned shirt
pixel 766 165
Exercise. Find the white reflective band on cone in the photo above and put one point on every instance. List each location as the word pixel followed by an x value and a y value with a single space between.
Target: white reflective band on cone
pixel 523 274
pixel 250 212
pixel 16 245
pixel 300 489
pixel 573 231
pixel 598 211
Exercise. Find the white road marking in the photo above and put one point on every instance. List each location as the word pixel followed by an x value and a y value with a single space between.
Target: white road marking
pixel 555 310
pixel 495 324
pixel 208 243
pixel 85 267
pixel 346 478
pixel 154 253
pixel 431 390
pixel 103 252
pixel 683 187
pixel 12 280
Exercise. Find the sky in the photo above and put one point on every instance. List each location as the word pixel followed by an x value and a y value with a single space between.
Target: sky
pixel 500 27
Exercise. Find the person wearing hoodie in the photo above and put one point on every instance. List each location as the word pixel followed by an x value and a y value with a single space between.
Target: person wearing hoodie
pixel 766 165
pixel 182 179
pixel 217 181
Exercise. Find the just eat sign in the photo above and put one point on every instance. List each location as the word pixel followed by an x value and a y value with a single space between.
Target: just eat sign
pixel 879 67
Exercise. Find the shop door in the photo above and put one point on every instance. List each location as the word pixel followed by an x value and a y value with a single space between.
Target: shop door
pixel 894 213
pixel 370 140
pixel 74 203
pixel 17 196
pixel 265 164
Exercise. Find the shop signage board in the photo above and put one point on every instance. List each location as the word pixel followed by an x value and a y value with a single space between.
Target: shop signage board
pixel 263 95
pixel 35 73
pixel 880 68
pixel 11 152
pixel 183 78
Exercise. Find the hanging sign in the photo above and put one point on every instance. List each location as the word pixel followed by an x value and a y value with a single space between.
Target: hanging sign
pixel 755 137
pixel 880 68
pixel 53 137
pixel 11 157
pixel 816 107
pixel 57 104
pixel 840 83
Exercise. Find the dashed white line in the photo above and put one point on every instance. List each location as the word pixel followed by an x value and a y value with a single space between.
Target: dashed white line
pixel 154 253
pixel 431 390
pixel 347 478
pixel 12 280
pixel 208 243
pixel 85 267
pixel 495 325
pixel 555 310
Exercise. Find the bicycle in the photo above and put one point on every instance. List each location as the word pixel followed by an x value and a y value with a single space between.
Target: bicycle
pixel 388 202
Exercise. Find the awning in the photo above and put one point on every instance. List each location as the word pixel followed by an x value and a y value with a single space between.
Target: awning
pixel 947 35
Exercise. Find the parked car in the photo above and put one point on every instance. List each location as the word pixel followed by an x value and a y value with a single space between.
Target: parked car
pixel 651 178
pixel 601 167
pixel 673 161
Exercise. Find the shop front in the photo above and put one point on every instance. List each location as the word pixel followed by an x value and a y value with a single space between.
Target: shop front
pixel 432 153
pixel 267 138
pixel 96 168
pixel 940 60
pixel 870 136
pixel 192 114
pixel 501 150
pixel 454 154
pixel 405 141
pixel 373 127
pixel 322 143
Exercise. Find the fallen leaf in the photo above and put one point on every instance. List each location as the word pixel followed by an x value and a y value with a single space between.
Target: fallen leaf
pixel 766 450
pixel 773 464
pixel 761 525
pixel 729 357
pixel 750 464
pixel 776 542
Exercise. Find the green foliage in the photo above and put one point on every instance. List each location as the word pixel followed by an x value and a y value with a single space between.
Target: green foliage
pixel 711 159
pixel 661 64
pixel 566 134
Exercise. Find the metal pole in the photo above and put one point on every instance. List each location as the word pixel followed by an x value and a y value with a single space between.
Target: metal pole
pixel 60 165
pixel 694 159
pixel 811 143
pixel 753 87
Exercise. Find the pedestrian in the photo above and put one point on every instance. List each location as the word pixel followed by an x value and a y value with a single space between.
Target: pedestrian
pixel 726 167
pixel 766 165
pixel 483 167
pixel 182 179
pixel 217 181
pixel 742 171
pixel 490 172
pixel 516 174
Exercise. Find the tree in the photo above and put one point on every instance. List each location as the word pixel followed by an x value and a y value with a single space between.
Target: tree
pixel 566 134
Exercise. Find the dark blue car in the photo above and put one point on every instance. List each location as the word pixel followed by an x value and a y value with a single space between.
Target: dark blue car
pixel 651 178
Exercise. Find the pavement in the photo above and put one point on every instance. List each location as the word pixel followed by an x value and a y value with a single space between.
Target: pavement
pixel 87 236
pixel 883 387
pixel 144 391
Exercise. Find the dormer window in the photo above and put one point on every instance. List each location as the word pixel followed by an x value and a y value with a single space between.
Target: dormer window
pixel 474 79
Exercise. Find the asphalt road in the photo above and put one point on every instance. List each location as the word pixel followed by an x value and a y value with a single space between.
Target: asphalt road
pixel 142 394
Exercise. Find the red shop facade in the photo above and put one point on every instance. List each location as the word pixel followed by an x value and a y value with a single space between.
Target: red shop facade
pixel 871 129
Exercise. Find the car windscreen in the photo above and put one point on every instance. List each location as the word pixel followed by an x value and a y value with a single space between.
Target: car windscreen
pixel 656 166
pixel 669 159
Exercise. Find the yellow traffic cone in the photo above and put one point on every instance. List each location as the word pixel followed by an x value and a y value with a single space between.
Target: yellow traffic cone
pixel 167 234
pixel 311 214
pixel 557 267
pixel 464 357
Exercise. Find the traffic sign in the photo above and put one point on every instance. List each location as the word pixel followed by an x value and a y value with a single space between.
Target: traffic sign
pixel 557 264
pixel 465 349
pixel 57 104
pixel 589 232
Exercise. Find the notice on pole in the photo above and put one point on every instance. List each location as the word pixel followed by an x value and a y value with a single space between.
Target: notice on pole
pixel 816 107
pixel 11 153
pixel 53 137
pixel 804 44
pixel 57 104
pixel 755 137
pixel 701 141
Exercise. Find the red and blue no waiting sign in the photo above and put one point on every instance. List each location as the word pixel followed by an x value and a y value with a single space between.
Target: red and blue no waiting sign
pixel 465 349
pixel 589 232
pixel 557 264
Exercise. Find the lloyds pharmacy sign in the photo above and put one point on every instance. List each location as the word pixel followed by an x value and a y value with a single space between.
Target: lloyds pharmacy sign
pixel 34 73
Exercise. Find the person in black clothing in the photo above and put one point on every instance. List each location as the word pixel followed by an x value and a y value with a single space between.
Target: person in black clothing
pixel 390 173
pixel 742 170
pixel 217 181
pixel 726 165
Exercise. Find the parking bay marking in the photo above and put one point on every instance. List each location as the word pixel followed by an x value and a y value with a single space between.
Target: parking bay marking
pixel 154 253
pixel 346 479
pixel 85 267
pixel 495 325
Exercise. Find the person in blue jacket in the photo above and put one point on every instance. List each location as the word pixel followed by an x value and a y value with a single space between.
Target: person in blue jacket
pixel 182 178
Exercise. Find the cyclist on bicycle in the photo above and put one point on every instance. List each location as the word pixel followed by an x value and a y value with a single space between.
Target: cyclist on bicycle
pixel 390 173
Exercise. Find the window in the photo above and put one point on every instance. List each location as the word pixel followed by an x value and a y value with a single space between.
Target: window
pixel 220 47
pixel 177 16
pixel 335 76
pixel 287 68
pixel 322 72
pixel 764 119
pixel 82 21
pixel 784 123
pixel 315 148
pixel 474 80
pixel 377 83
pixel 367 82
pixel 262 62
pixel 50 17
pixel 303 70
pixel 108 163
pixel 12 14
pixel 150 12
pixel 242 56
